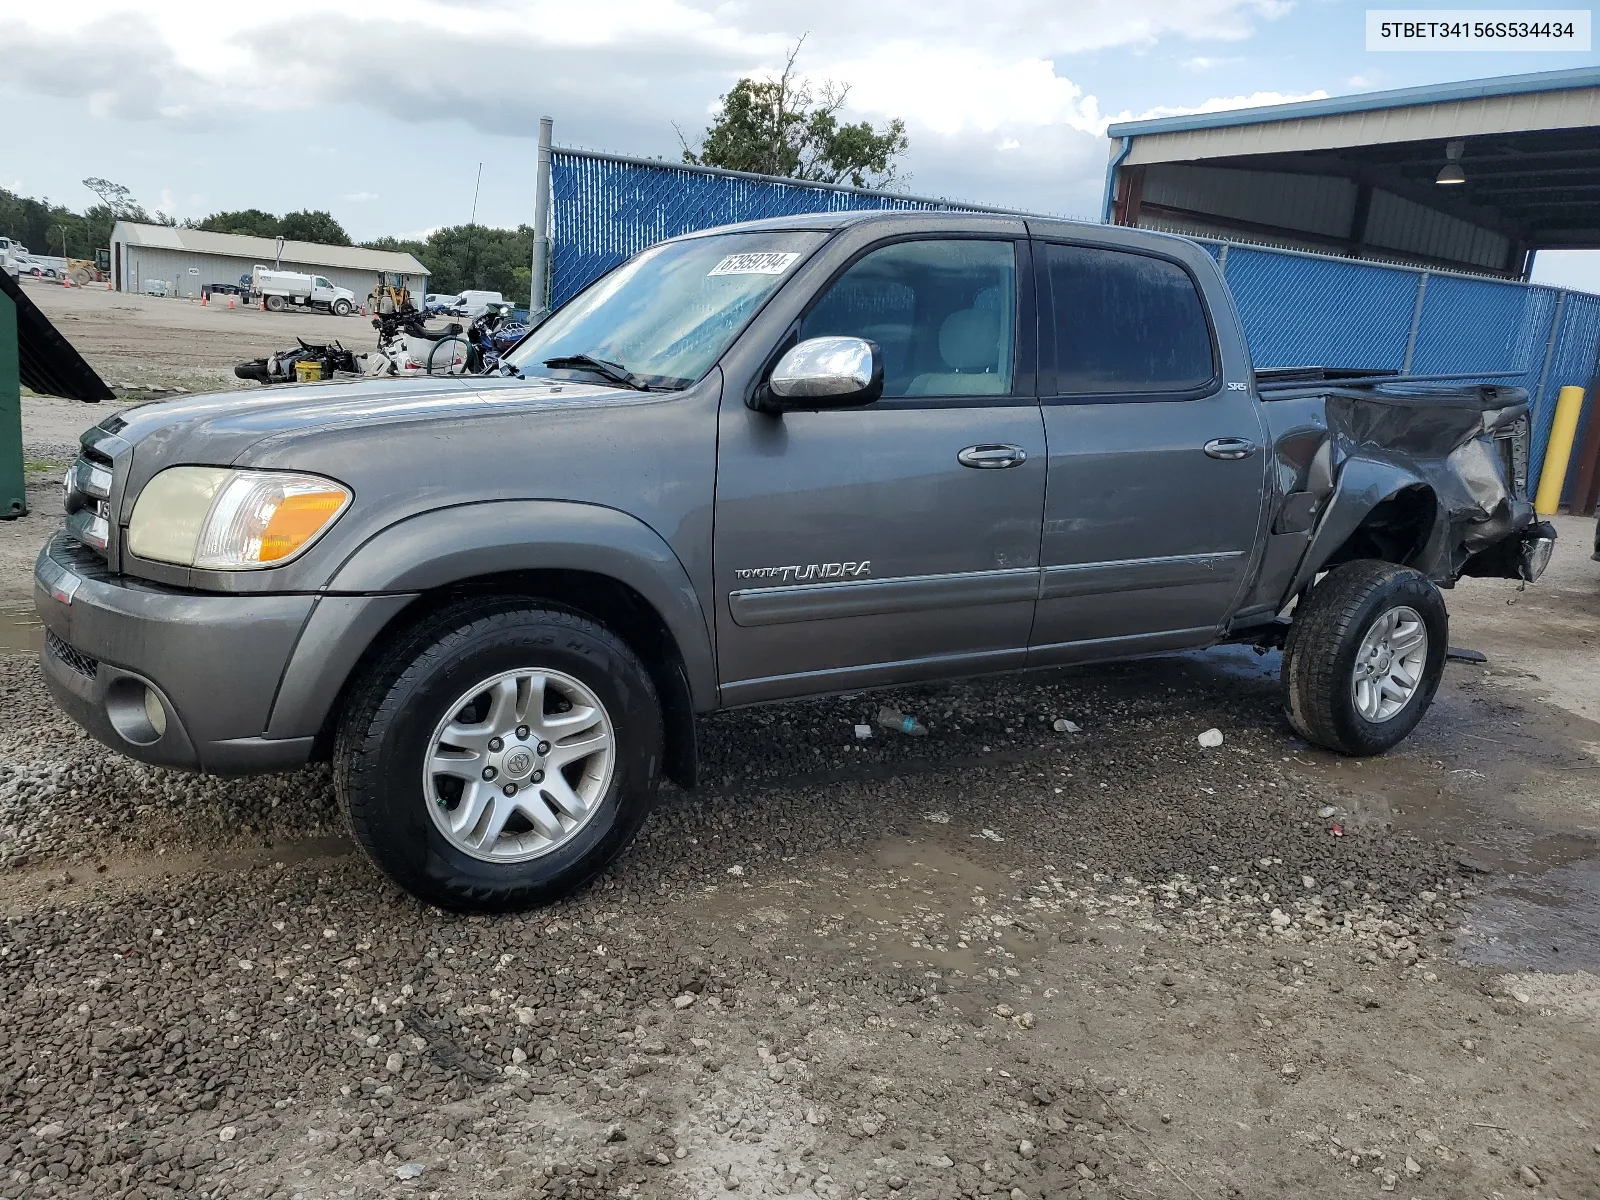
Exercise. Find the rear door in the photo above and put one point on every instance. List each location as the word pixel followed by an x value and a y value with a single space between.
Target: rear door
pixel 1157 469
pixel 899 540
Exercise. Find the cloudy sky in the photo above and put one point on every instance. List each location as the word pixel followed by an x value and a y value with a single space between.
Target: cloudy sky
pixel 383 119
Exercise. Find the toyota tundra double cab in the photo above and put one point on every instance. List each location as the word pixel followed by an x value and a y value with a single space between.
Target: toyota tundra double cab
pixel 771 460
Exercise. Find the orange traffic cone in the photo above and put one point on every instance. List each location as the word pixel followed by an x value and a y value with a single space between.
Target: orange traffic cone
pixel 230 303
pixel 205 298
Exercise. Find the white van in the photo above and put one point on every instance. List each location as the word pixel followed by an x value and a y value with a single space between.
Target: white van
pixel 472 304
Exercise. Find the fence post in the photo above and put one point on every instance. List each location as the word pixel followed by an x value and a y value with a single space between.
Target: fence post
pixel 1222 261
pixel 1549 350
pixel 539 287
pixel 1416 323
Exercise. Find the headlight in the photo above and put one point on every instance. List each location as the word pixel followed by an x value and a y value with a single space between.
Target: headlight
pixel 226 520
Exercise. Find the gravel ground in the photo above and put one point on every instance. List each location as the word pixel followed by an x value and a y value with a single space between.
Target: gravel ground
pixel 998 960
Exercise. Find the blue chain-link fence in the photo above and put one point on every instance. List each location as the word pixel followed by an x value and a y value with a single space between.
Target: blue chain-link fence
pixel 1297 308
pixel 608 209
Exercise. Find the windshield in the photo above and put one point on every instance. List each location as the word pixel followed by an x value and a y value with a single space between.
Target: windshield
pixel 665 316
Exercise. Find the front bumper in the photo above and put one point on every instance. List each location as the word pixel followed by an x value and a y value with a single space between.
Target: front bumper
pixel 167 676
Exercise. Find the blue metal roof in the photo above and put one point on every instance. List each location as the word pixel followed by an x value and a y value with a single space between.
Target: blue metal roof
pixel 1435 93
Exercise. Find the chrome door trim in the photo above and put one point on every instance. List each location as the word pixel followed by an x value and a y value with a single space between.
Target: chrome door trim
pixel 1138 574
pixel 877 597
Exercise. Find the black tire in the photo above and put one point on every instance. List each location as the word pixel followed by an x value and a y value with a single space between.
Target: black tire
pixel 1319 655
pixel 274 303
pixel 389 721
pixel 342 308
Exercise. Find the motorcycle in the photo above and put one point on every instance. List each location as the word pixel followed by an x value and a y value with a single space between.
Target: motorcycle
pixel 408 346
pixel 279 367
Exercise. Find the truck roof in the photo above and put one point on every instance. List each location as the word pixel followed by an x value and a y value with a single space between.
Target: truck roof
pixel 943 218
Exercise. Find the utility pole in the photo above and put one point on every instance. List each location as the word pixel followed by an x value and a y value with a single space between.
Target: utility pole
pixel 539 291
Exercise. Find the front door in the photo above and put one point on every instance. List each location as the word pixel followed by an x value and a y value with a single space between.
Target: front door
pixel 1157 466
pixel 899 540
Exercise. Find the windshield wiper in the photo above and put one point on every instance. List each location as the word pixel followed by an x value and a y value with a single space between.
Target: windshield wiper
pixel 615 372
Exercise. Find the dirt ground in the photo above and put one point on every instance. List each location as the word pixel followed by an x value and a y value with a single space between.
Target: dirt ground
pixel 150 340
pixel 999 960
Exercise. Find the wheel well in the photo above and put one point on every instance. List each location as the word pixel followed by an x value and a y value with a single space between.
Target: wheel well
pixel 1396 530
pixel 612 603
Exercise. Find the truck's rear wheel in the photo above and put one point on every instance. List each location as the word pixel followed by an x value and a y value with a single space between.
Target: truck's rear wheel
pixel 500 755
pixel 1364 657
pixel 342 308
pixel 274 303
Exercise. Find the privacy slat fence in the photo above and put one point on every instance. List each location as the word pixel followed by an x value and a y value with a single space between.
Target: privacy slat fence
pixel 1297 308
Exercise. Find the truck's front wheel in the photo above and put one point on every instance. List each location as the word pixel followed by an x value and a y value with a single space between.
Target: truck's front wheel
pixel 500 755
pixel 1364 657
pixel 342 308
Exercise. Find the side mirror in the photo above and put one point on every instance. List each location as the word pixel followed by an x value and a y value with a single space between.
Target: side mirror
pixel 824 372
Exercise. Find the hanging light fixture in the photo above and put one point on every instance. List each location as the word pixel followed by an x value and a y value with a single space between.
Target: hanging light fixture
pixel 1451 172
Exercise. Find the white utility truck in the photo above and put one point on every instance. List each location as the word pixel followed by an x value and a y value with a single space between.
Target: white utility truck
pixel 279 290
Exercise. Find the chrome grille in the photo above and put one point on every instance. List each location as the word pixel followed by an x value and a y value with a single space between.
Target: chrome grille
pixel 88 488
pixel 75 659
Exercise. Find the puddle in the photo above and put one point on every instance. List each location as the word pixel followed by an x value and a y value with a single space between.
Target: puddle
pixel 20 631
pixel 1547 922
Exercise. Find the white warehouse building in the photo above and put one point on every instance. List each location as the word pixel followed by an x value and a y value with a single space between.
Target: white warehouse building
pixel 191 259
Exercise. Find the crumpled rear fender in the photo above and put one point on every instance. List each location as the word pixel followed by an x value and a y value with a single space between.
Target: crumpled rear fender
pixel 1362 485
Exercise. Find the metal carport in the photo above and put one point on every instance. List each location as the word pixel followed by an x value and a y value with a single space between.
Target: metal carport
pixel 1474 176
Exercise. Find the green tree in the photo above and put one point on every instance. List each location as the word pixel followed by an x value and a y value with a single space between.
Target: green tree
pixel 459 257
pixel 117 198
pixel 305 226
pixel 252 221
pixel 313 226
pixel 786 126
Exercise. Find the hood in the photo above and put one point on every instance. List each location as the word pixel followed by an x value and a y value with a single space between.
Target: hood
pixel 218 428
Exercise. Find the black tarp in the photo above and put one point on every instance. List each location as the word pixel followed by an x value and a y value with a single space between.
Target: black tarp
pixel 49 364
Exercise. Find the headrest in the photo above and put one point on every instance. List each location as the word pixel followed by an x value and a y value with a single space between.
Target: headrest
pixel 969 340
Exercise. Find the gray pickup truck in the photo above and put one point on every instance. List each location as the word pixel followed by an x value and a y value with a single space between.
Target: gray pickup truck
pixel 798 456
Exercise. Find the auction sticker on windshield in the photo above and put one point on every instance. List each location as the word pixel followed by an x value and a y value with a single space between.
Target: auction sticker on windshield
pixel 774 262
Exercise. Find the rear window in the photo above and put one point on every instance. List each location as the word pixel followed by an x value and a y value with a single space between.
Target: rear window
pixel 1125 324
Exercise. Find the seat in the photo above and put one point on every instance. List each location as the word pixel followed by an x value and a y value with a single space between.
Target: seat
pixel 969 344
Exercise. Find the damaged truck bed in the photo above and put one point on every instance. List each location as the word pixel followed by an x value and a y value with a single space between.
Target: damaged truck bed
pixel 1407 471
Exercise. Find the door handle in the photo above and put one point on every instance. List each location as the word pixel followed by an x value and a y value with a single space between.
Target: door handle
pixel 1230 448
pixel 989 456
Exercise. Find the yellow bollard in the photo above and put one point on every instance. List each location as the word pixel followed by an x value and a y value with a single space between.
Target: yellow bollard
pixel 1558 451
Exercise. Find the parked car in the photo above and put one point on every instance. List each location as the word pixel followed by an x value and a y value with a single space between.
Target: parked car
pixel 807 455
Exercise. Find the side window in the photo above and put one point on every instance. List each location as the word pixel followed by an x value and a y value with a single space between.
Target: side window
pixel 1125 323
pixel 321 282
pixel 942 312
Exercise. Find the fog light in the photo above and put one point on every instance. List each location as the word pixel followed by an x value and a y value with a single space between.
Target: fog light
pixel 136 711
pixel 155 713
